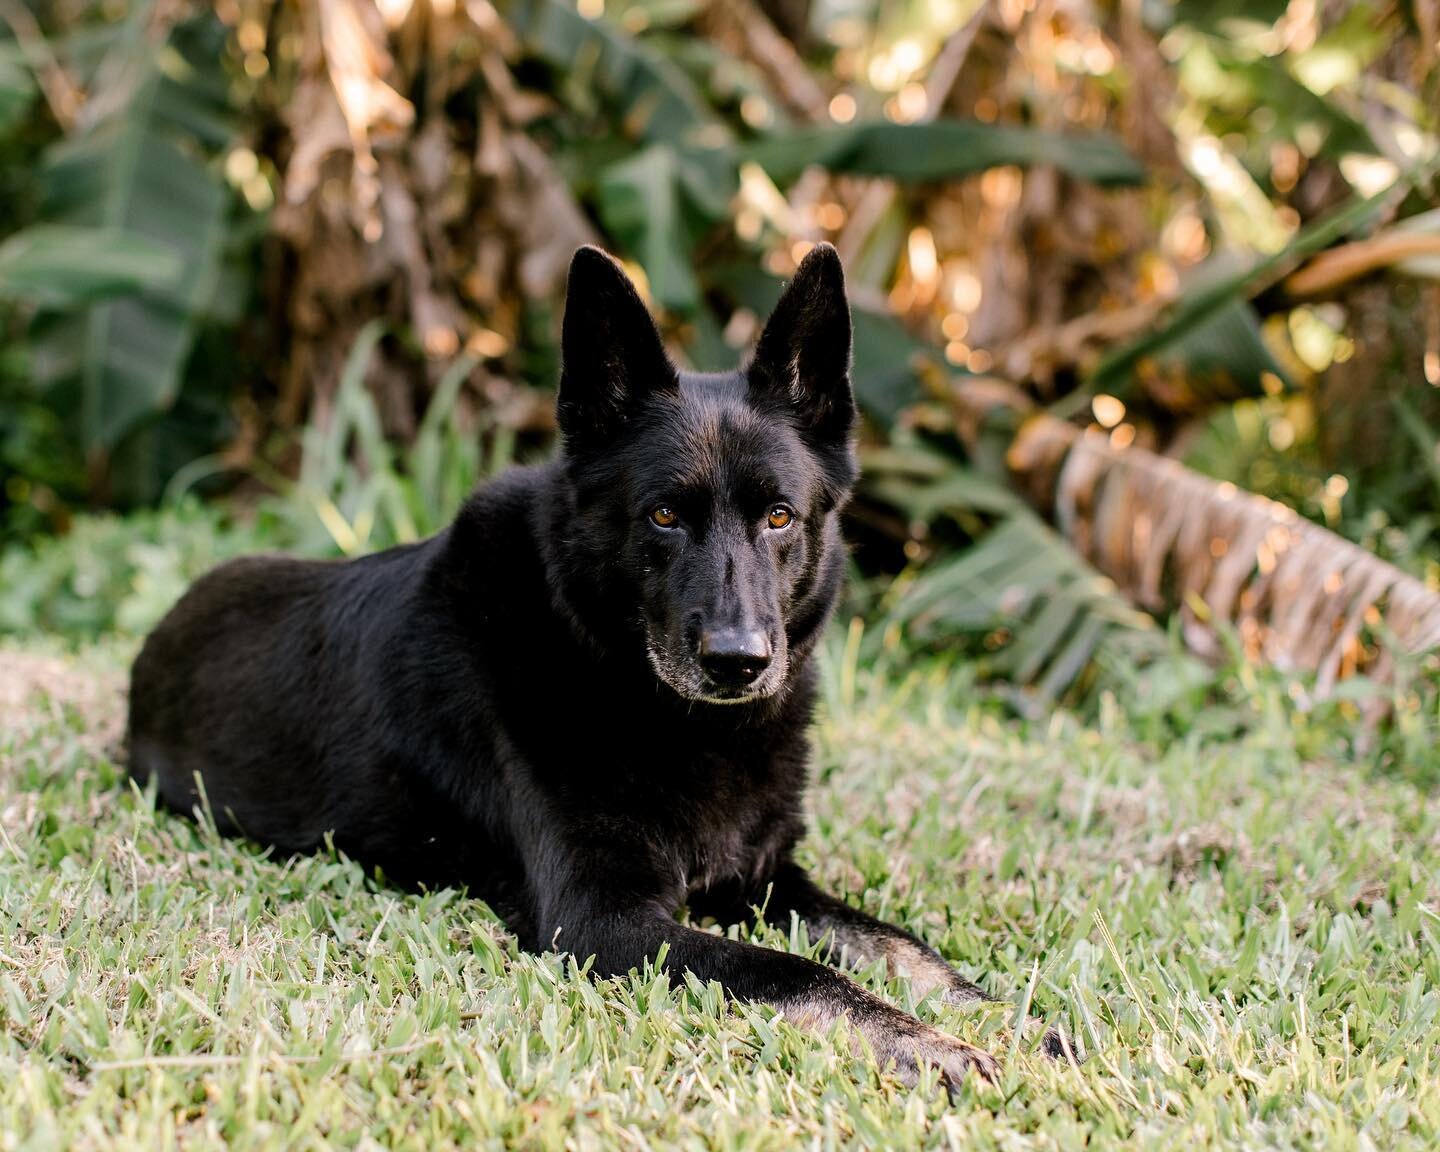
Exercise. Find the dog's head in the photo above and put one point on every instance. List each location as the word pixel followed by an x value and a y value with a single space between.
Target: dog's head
pixel 706 506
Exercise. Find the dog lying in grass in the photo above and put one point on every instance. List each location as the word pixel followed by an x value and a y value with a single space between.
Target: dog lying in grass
pixel 587 700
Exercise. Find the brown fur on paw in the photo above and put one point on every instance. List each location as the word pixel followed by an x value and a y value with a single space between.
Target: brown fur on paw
pixel 1056 1045
pixel 896 1038
pixel 925 968
pixel 956 1060
pixel 911 1046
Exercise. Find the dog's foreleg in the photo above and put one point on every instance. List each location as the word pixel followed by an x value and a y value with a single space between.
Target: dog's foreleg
pixel 811 995
pixel 858 939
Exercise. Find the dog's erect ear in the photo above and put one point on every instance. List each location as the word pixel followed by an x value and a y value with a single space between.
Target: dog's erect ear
pixel 611 354
pixel 803 356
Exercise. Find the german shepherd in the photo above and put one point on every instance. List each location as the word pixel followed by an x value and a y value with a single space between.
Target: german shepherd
pixel 587 700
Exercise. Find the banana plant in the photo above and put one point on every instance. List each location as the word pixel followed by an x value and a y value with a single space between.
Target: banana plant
pixel 139 175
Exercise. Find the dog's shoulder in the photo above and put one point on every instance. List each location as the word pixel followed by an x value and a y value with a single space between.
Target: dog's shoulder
pixel 494 545
pixel 500 517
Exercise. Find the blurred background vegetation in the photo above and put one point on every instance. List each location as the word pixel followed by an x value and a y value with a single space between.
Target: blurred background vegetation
pixel 288 275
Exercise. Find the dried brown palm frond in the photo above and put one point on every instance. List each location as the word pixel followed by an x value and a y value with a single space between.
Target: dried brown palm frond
pixel 1298 596
pixel 409 191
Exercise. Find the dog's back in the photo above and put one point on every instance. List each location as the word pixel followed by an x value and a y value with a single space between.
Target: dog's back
pixel 296 700
pixel 218 693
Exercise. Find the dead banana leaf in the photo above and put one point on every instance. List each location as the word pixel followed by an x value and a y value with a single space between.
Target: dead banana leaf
pixel 357 63
pixel 1299 596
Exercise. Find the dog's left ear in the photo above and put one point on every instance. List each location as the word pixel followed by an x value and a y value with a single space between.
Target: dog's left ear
pixel 803 356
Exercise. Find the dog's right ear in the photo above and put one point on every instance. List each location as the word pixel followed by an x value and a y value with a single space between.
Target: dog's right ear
pixel 612 357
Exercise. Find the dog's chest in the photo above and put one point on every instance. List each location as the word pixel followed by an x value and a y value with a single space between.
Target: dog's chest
pixel 724 854
pixel 735 830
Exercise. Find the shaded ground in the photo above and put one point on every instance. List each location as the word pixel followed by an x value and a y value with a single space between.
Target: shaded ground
pixel 1239 928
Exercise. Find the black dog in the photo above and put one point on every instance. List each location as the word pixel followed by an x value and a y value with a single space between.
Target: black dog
pixel 586 700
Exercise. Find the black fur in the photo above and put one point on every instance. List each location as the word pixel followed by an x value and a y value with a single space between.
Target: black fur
pixel 586 717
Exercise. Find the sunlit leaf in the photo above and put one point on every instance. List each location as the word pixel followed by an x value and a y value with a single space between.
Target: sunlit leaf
pixel 657 98
pixel 138 170
pixel 1213 14
pixel 62 265
pixel 17 87
pixel 642 206
pixel 1202 304
pixel 1425 224
pixel 942 150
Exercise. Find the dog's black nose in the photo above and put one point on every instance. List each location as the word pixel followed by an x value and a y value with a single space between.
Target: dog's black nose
pixel 732 657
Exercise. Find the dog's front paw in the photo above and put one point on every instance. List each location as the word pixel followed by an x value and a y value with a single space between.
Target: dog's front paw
pixel 913 1046
pixel 956 1060
pixel 1057 1045
pixel 1054 1043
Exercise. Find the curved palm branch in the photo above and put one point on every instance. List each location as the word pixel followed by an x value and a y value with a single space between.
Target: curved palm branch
pixel 1298 595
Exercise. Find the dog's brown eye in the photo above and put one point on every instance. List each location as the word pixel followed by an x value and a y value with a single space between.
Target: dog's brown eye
pixel 780 517
pixel 663 516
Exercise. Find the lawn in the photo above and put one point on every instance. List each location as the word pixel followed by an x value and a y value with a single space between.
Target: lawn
pixel 1234 917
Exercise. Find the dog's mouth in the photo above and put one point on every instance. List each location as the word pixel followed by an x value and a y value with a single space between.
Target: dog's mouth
pixel 713 693
pixel 687 679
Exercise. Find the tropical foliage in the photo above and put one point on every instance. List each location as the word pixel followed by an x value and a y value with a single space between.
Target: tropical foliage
pixel 308 258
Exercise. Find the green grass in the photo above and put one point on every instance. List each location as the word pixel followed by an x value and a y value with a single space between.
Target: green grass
pixel 1238 923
